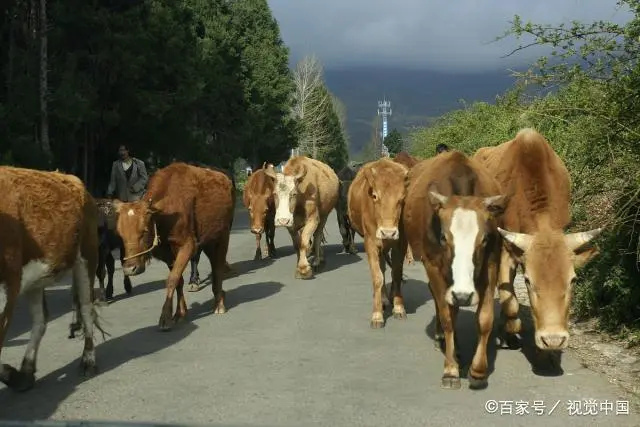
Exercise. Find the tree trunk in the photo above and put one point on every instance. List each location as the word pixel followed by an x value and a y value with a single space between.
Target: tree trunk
pixel 44 113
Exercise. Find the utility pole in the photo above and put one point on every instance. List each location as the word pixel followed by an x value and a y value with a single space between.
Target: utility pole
pixel 384 110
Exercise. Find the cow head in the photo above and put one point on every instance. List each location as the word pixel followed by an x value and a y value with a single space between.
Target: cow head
pixel 139 234
pixel 259 198
pixel 285 194
pixel 549 259
pixel 465 228
pixel 387 191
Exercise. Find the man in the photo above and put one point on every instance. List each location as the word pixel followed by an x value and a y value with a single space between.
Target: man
pixel 441 148
pixel 128 177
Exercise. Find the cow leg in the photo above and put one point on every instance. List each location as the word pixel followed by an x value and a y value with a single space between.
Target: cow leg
pixel 258 255
pixel 110 264
pixel 447 315
pixel 101 270
pixel 478 373
pixel 194 278
pixel 508 300
pixel 83 288
pixel 9 375
pixel 270 234
pixel 174 280
pixel 318 259
pixel 217 253
pixel 352 237
pixel 376 266
pixel 303 269
pixel 344 230
pixel 409 256
pixel 397 259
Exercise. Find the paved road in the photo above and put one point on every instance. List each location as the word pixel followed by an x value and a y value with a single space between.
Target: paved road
pixel 288 352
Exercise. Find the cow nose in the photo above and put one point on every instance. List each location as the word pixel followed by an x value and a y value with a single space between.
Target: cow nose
pixel 283 221
pixel 556 341
pixel 462 299
pixel 390 233
pixel 256 230
pixel 133 270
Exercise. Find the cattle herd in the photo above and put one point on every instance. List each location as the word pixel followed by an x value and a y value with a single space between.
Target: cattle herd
pixel 470 220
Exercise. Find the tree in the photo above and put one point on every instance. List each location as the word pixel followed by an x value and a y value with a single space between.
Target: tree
pixel 394 142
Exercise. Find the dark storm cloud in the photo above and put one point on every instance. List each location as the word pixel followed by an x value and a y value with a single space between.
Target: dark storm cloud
pixel 435 34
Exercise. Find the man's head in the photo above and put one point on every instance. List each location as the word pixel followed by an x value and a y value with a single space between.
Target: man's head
pixel 550 258
pixel 466 231
pixel 123 152
pixel 441 148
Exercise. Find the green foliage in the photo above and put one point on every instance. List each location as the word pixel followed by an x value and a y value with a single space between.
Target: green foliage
pixel 188 80
pixel 394 142
pixel 593 122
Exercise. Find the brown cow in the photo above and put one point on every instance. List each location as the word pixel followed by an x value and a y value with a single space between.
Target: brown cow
pixel 409 161
pixel 450 220
pixel 305 193
pixel 376 196
pixel 49 227
pixel 184 207
pixel 258 199
pixel 537 213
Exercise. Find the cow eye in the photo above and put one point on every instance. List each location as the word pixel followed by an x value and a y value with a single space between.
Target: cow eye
pixel 443 239
pixel 527 282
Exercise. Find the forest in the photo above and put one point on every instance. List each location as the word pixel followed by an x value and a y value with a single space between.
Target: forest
pixel 587 103
pixel 191 80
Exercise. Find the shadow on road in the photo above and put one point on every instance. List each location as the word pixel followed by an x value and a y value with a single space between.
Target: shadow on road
pixel 416 294
pixel 50 391
pixel 234 297
pixel 547 364
pixel 138 289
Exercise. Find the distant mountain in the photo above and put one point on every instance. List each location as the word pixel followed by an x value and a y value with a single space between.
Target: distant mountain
pixel 416 96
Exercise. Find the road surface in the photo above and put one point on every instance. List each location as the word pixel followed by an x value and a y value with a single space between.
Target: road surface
pixel 288 353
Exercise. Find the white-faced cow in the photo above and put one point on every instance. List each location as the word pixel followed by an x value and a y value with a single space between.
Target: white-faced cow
pixel 49 228
pixel 305 193
pixel 450 220
pixel 533 227
pixel 376 197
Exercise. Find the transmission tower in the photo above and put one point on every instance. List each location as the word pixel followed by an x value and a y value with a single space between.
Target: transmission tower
pixel 384 110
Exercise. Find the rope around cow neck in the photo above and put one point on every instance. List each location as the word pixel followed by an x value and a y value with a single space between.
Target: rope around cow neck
pixel 154 244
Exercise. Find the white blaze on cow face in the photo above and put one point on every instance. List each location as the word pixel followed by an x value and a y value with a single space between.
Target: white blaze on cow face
pixel 131 212
pixel 464 231
pixel 285 199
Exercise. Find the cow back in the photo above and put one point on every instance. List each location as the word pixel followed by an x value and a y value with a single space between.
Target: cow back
pixel 405 159
pixel 534 176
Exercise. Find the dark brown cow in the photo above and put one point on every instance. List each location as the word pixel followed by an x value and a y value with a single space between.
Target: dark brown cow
pixel 534 221
pixel 346 176
pixel 258 199
pixel 185 207
pixel 49 224
pixel 450 220
pixel 375 199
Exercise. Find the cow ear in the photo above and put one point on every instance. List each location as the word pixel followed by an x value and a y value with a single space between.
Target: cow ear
pixel 584 256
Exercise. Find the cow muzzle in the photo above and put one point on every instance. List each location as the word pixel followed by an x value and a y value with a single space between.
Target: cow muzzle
pixel 284 222
pixel 387 233
pixel 461 298
pixel 133 270
pixel 552 340
pixel 257 230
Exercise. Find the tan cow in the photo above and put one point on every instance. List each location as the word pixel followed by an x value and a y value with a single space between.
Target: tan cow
pixel 258 199
pixel 49 227
pixel 376 196
pixel 185 207
pixel 534 221
pixel 305 193
pixel 450 220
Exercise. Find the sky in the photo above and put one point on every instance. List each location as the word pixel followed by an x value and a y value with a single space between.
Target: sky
pixel 439 35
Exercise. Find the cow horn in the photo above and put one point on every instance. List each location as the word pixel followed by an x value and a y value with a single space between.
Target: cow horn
pixel 521 240
pixel 437 198
pixel 575 240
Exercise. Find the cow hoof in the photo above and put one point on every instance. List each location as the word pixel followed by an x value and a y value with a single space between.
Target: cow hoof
pixel 166 323
pixel 108 292
pixel 88 368
pixel 377 320
pixel 17 380
pixel 510 341
pixel 257 256
pixel 450 382
pixel 304 274
pixel 273 253
pixel 399 312
pixel 193 287
pixel 127 286
pixel 74 327
pixel 219 309
pixel 478 383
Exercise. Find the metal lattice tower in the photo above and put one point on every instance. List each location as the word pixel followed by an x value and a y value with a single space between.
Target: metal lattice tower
pixel 384 110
